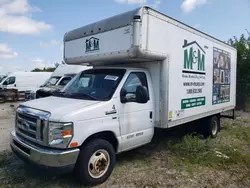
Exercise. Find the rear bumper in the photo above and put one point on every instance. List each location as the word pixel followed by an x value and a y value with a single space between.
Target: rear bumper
pixel 45 158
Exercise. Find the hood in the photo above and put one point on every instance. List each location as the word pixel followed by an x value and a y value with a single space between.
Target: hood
pixel 58 107
pixel 51 88
pixel 47 91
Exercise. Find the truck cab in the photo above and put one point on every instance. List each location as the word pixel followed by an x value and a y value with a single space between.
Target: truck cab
pixel 55 83
pixel 103 103
pixel 59 78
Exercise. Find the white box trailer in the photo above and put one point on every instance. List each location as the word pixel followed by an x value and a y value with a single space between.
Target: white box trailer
pixel 149 70
pixel 193 74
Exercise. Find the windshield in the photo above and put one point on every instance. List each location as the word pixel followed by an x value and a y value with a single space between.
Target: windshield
pixel 93 84
pixel 2 78
pixel 64 81
pixel 52 81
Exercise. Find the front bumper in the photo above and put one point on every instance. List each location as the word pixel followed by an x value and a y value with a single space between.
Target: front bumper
pixel 48 158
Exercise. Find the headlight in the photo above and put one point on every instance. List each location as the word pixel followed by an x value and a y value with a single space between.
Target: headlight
pixel 60 134
pixel 32 94
pixel 16 121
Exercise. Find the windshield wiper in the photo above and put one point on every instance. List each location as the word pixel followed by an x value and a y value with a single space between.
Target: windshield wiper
pixel 64 94
pixel 83 94
pixel 59 94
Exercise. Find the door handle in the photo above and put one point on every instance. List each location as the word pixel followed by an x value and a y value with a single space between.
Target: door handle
pixel 150 114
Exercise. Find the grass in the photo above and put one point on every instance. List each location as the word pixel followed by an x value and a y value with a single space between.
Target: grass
pixel 247 107
pixel 228 152
pixel 209 152
pixel 246 121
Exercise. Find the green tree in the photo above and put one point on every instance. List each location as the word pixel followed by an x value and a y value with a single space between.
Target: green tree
pixel 243 57
pixel 243 71
pixel 48 69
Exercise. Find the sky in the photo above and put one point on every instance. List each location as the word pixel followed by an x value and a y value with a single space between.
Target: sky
pixel 31 31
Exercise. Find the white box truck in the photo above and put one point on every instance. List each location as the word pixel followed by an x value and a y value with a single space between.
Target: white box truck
pixel 58 79
pixel 149 70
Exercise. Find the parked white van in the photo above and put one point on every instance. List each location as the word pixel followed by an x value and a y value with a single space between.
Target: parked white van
pixel 2 77
pixel 23 81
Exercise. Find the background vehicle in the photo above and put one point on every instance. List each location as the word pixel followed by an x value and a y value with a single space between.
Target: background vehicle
pixel 59 78
pixel 149 71
pixel 2 77
pixel 23 81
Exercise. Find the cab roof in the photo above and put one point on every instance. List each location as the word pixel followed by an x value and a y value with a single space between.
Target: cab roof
pixel 114 22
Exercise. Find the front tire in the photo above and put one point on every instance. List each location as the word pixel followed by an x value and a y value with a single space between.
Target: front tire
pixel 95 162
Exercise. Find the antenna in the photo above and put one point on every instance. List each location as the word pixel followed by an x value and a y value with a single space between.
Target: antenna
pixel 248 32
pixel 248 41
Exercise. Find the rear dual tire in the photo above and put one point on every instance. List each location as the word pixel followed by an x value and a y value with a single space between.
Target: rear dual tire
pixel 211 126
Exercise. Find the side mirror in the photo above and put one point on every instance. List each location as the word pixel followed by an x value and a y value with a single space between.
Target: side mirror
pixel 123 95
pixel 141 94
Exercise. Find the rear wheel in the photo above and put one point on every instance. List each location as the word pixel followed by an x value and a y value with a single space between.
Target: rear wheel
pixel 95 162
pixel 211 127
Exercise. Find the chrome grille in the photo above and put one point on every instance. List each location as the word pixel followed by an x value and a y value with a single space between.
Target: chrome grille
pixel 27 125
pixel 29 95
pixel 32 124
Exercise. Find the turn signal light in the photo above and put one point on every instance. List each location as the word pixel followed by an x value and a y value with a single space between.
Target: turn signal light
pixel 73 144
pixel 67 133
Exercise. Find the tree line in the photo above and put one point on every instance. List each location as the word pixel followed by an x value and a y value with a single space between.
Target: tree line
pixel 242 45
pixel 48 69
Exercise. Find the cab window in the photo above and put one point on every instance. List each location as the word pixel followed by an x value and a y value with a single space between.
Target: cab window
pixel 134 80
pixel 9 81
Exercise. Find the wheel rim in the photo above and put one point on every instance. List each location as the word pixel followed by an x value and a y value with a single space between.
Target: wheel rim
pixel 98 163
pixel 214 127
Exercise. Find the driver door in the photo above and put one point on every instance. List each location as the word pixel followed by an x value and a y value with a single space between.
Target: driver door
pixel 135 119
pixel 10 83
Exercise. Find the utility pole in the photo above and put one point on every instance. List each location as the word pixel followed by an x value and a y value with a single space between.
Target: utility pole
pixel 248 32
pixel 248 41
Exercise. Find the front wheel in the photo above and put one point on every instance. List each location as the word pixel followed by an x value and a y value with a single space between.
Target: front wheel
pixel 95 162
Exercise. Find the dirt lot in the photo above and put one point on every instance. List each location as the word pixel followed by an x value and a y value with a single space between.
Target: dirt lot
pixel 175 158
pixel 7 114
